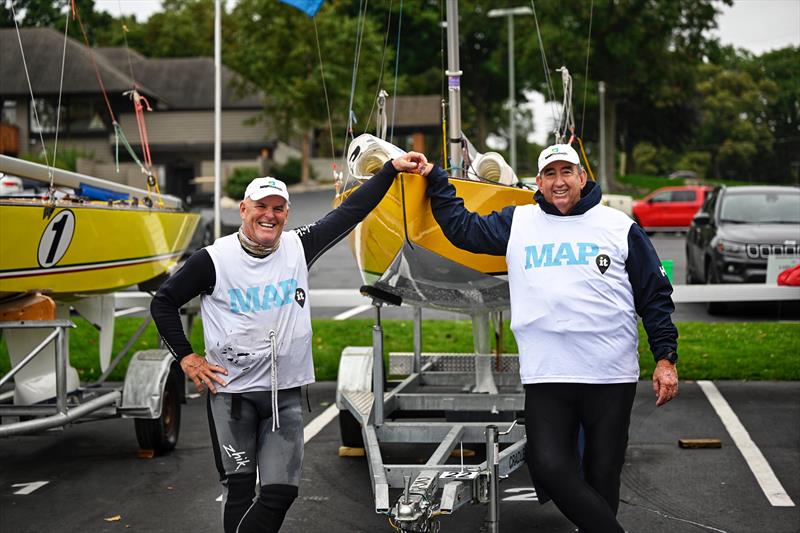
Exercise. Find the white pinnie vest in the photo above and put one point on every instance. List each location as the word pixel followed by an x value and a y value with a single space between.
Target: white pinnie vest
pixel 572 309
pixel 251 298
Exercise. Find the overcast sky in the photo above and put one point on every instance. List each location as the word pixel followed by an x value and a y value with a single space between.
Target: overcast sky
pixel 757 25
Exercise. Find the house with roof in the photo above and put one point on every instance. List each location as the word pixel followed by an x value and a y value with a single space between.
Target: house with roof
pixel 180 127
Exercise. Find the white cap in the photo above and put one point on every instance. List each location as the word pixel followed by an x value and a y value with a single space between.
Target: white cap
pixel 262 187
pixel 558 152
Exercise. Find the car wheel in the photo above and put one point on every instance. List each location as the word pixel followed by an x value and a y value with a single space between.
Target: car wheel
pixel 712 277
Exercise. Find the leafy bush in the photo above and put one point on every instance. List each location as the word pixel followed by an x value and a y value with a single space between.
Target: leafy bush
pixel 239 180
pixel 650 159
pixel 290 172
pixel 697 162
pixel 66 158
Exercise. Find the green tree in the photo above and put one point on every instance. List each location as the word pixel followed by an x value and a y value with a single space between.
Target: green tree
pixel 782 112
pixel 185 28
pixel 53 14
pixel 734 125
pixel 274 47
pixel 647 52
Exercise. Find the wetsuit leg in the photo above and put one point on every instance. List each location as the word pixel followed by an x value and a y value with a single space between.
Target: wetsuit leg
pixel 280 459
pixel 552 417
pixel 606 418
pixel 233 438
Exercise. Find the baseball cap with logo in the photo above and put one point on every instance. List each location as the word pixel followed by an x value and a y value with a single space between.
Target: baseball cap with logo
pixel 262 187
pixel 558 152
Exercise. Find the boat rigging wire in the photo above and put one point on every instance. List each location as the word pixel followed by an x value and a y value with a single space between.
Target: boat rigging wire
pixel 60 93
pixel 118 133
pixel 567 121
pixel 548 81
pixel 396 68
pixel 325 90
pixel 351 119
pixel 383 63
pixel 586 72
pixel 443 87
pixel 33 100
pixel 125 38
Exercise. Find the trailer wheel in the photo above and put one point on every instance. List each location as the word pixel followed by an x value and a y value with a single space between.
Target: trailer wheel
pixel 161 434
pixel 350 430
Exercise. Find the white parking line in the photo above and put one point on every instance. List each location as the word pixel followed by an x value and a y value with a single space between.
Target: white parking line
pixel 316 425
pixel 352 312
pixel 766 478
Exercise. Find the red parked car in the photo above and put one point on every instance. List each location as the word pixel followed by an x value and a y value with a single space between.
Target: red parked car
pixel 669 208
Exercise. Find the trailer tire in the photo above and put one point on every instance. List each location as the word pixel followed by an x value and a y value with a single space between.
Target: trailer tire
pixel 161 434
pixel 350 430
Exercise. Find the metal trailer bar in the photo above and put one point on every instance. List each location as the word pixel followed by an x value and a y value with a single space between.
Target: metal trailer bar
pixel 62 418
pixel 103 402
pixel 28 358
pixel 125 349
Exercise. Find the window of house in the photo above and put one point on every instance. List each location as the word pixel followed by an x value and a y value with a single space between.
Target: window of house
pixel 78 115
pixel 86 115
pixel 46 113
pixel 8 113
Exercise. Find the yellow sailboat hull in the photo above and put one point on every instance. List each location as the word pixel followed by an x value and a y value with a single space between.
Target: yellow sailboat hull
pixel 87 247
pixel 403 223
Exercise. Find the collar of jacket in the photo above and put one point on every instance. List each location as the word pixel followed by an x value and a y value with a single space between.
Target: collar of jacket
pixel 590 197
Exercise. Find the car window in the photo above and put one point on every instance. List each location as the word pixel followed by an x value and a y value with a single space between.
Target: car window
pixel 709 202
pixel 665 196
pixel 761 208
pixel 683 196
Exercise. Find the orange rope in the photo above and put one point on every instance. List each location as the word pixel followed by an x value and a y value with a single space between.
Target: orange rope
pixel 583 152
pixel 77 16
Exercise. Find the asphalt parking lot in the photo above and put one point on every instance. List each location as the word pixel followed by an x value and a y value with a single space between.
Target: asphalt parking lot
pixel 88 477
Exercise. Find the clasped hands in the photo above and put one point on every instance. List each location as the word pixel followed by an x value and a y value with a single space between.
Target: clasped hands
pixel 413 162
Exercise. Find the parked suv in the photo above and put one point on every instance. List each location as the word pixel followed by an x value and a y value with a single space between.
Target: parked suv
pixel 737 229
pixel 669 208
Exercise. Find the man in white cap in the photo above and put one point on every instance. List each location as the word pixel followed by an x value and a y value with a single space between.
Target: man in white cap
pixel 578 275
pixel 253 288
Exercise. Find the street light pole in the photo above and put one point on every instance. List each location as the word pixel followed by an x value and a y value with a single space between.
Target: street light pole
pixel 217 117
pixel 512 104
pixel 601 89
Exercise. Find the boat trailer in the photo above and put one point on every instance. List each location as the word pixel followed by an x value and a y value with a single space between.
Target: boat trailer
pixel 47 394
pixel 448 399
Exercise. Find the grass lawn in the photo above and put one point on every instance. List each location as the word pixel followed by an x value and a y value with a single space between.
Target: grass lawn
pixel 751 351
pixel 645 184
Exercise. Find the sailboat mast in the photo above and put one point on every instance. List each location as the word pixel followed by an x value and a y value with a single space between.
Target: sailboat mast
pixel 454 89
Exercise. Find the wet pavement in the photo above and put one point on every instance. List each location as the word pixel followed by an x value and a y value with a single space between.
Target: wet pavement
pixel 79 478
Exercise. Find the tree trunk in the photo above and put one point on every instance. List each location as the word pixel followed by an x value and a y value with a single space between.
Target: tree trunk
pixel 481 127
pixel 305 167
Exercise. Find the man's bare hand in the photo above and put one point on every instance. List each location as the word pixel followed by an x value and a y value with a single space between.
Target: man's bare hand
pixel 413 162
pixel 665 382
pixel 201 373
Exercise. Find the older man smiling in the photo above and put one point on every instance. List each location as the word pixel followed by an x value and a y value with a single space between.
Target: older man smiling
pixel 578 274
